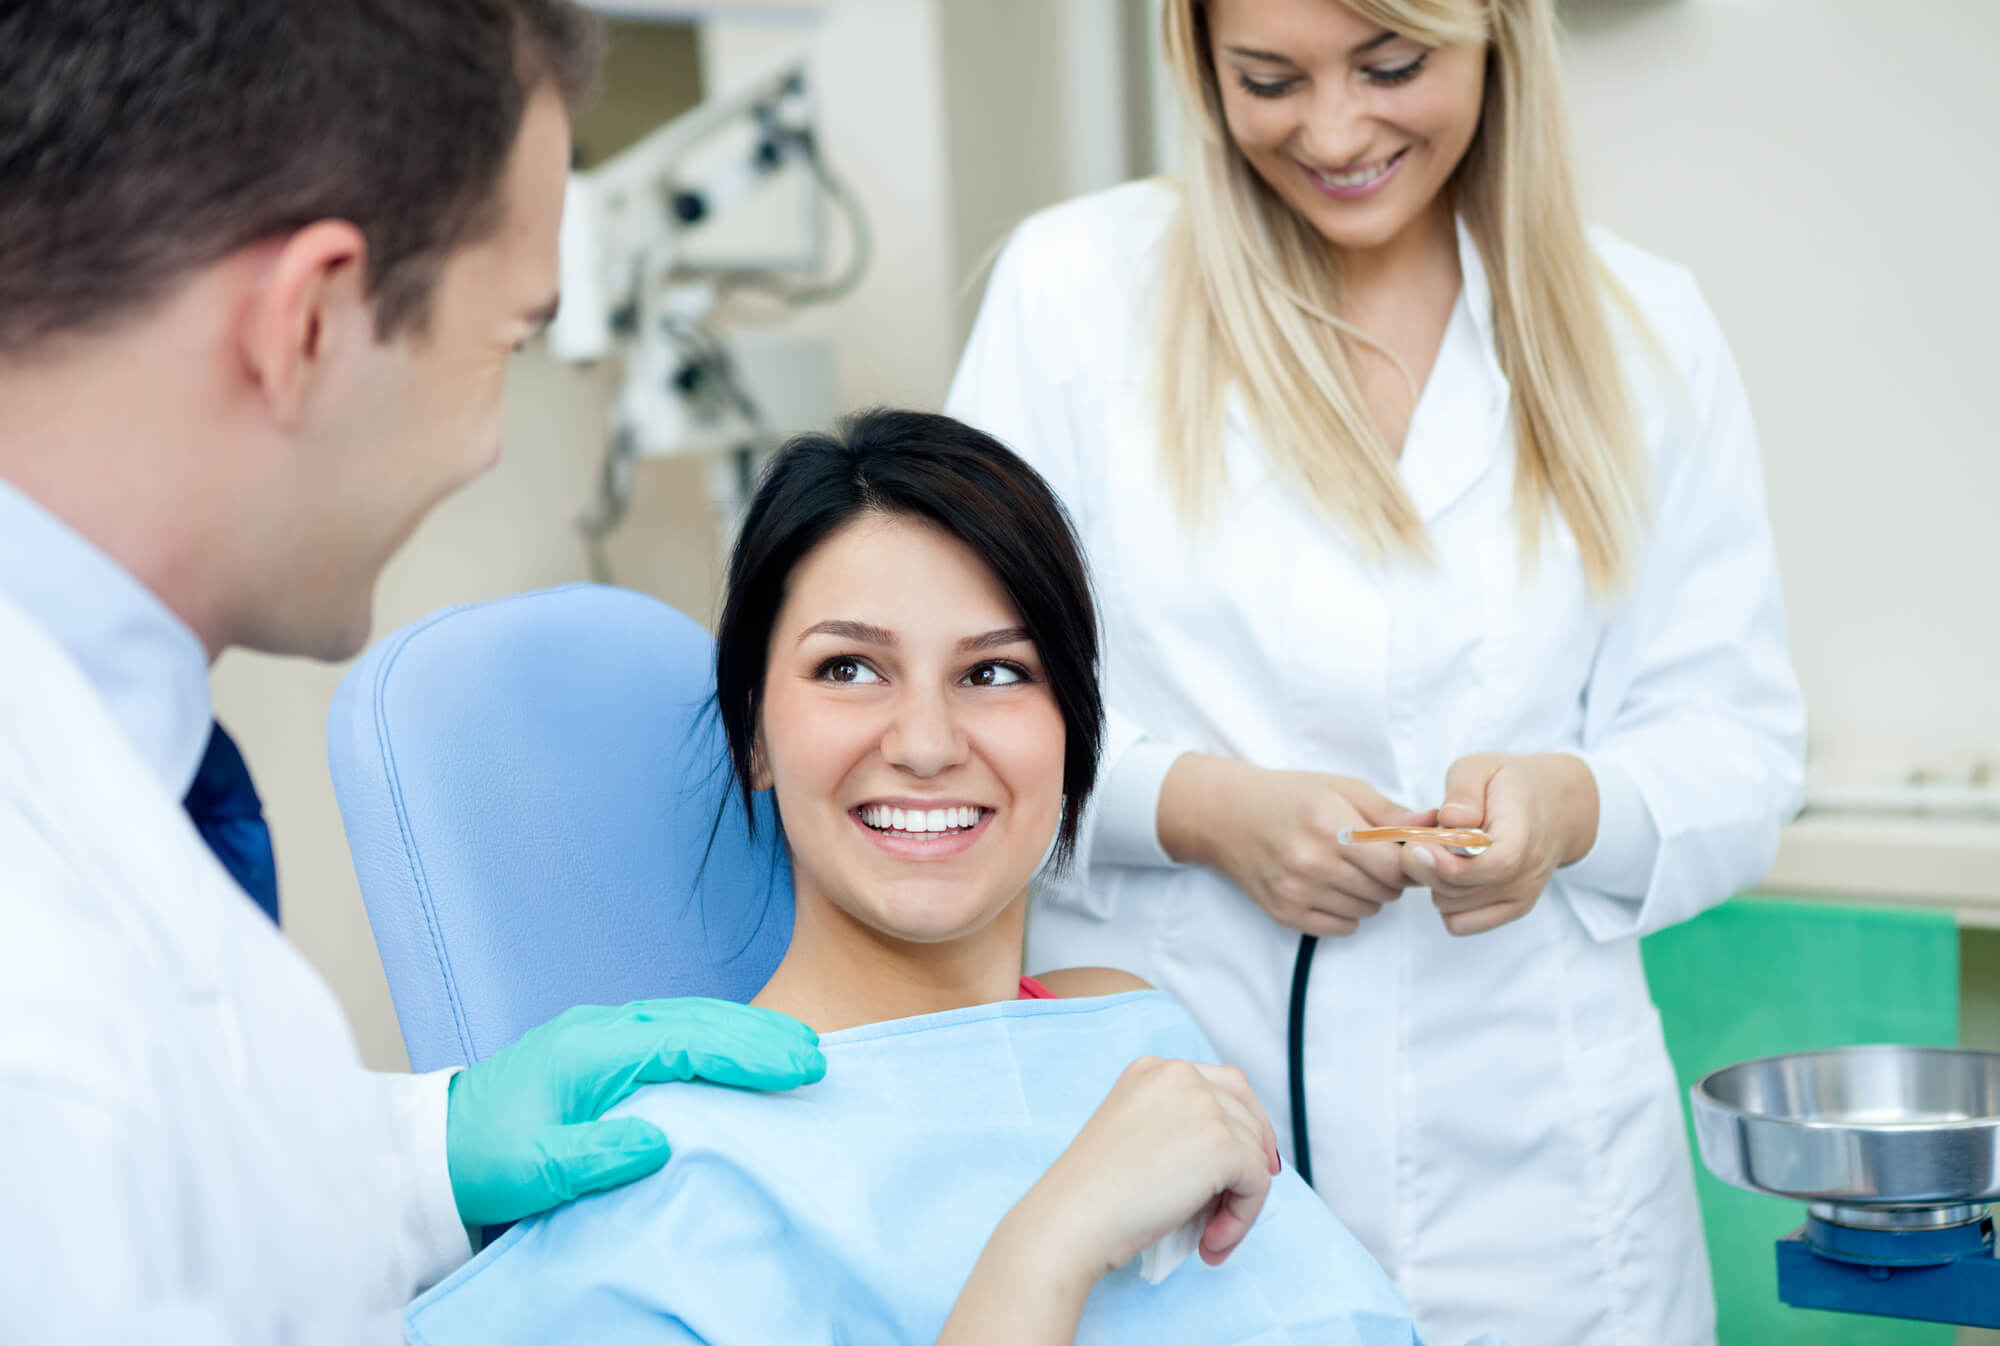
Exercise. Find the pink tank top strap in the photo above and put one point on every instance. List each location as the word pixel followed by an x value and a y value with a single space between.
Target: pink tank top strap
pixel 1034 990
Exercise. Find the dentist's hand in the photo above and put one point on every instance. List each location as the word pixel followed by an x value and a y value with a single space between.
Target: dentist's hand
pixel 1541 812
pixel 1274 834
pixel 522 1128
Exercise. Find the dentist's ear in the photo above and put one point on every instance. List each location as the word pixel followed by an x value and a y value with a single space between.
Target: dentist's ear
pixel 311 297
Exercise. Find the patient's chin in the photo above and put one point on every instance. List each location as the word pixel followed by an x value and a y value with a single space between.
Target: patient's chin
pixel 935 918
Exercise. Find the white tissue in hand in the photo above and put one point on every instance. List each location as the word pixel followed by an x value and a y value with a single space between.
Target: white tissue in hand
pixel 1159 1260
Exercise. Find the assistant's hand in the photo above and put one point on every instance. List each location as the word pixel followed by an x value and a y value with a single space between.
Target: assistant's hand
pixel 1275 835
pixel 1541 812
pixel 522 1128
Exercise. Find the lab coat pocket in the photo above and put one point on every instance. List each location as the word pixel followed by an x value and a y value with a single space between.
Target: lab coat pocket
pixel 1640 1190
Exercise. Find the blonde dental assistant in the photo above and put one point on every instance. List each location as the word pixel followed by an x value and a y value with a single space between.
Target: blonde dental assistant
pixel 1405 493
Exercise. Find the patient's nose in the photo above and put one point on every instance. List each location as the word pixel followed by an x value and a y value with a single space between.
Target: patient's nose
pixel 924 738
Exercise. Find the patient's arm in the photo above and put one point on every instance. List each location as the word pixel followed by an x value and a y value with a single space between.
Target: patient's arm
pixel 1173 1138
pixel 1027 1290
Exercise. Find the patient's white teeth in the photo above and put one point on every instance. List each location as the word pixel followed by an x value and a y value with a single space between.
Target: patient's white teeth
pixel 918 821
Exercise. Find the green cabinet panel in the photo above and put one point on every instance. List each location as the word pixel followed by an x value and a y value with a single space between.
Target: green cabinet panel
pixel 1760 976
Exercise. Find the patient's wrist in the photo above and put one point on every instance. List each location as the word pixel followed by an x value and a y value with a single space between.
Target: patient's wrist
pixel 1057 1239
pixel 1029 1286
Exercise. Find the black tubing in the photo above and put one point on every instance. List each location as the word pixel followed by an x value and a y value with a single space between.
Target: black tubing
pixel 1296 1054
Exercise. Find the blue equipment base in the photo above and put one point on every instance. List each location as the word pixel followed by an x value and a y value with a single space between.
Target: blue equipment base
pixel 1938 1275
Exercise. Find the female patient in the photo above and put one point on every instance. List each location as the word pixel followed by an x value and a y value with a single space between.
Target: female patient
pixel 907 659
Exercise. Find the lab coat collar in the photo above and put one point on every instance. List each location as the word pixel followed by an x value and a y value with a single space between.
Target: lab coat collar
pixel 148 667
pixel 99 804
pixel 1460 420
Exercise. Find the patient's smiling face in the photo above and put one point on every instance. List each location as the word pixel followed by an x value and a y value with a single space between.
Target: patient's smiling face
pixel 913 743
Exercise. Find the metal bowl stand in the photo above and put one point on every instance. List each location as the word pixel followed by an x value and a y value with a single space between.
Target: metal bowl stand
pixel 1934 1263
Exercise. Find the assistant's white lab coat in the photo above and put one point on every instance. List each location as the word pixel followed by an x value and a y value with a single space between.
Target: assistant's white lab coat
pixel 190 1149
pixel 1494 1116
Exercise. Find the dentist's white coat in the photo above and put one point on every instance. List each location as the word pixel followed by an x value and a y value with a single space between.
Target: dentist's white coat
pixel 1495 1116
pixel 190 1149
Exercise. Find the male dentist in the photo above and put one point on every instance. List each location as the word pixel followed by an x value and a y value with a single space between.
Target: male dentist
pixel 262 265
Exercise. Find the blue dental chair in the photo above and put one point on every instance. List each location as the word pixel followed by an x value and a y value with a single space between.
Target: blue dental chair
pixel 530 788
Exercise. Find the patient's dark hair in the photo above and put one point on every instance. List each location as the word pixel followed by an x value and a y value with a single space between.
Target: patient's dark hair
pixel 920 466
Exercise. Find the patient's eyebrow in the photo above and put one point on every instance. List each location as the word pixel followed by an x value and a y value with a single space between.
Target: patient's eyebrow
pixel 846 629
pixel 993 640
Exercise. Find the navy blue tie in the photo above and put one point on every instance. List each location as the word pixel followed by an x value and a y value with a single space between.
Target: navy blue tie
pixel 226 811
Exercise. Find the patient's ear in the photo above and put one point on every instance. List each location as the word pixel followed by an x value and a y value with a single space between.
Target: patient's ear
pixel 760 771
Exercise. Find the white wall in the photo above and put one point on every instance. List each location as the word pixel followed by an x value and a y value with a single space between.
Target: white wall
pixel 952 120
pixel 1827 167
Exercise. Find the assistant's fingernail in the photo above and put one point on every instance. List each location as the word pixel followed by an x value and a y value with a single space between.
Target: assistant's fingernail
pixel 1424 858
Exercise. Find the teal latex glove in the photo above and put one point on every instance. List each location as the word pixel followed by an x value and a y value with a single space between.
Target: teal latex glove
pixel 523 1130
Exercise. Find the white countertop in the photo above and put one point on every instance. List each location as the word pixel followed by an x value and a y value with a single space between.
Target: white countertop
pixel 1896 861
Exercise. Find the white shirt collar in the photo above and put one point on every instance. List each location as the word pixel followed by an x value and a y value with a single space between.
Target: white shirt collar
pixel 147 666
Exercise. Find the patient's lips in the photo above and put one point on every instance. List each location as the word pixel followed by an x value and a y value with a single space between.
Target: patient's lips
pixel 922 829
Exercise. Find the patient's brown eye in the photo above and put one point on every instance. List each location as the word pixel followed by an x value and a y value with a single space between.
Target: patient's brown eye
pixel 997 673
pixel 845 669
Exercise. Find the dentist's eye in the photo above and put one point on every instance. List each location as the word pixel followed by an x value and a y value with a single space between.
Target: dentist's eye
pixel 1258 88
pixel 845 668
pixel 1401 74
pixel 996 673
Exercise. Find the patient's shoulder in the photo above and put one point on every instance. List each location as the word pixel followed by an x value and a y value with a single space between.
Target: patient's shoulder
pixel 1072 982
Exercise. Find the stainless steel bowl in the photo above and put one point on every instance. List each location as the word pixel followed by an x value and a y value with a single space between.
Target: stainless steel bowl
pixel 1858 1129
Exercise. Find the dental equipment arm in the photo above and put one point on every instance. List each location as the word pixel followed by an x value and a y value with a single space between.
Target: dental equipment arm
pixel 637 288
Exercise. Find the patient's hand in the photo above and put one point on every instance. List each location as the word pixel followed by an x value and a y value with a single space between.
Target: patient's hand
pixel 1172 1139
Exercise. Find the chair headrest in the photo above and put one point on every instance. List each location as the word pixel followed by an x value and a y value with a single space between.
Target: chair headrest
pixel 541 814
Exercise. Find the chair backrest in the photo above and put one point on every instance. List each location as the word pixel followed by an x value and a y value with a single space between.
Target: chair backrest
pixel 530 788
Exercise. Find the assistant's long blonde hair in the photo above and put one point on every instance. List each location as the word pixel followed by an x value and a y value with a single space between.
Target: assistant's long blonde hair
pixel 1251 299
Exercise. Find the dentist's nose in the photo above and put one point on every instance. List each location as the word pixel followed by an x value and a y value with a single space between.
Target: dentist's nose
pixel 924 737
